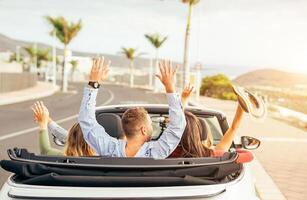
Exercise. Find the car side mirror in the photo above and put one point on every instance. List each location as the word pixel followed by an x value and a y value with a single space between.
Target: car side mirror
pixel 58 142
pixel 250 142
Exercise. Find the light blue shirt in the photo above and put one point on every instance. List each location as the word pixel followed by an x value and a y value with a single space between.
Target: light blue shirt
pixel 105 145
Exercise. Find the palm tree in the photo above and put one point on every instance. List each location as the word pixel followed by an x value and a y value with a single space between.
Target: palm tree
pixel 156 40
pixel 38 55
pixel 43 55
pixel 131 54
pixel 186 68
pixel 65 31
pixel 13 58
pixel 32 52
pixel 74 65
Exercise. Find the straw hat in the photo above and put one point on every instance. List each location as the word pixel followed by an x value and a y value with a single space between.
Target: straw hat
pixel 253 104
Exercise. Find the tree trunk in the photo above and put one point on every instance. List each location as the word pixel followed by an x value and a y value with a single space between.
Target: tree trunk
pixel 131 73
pixel 72 76
pixel 54 64
pixel 64 74
pixel 186 67
pixel 156 70
pixel 150 73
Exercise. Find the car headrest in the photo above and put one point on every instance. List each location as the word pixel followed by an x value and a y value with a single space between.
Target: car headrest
pixel 112 124
pixel 205 129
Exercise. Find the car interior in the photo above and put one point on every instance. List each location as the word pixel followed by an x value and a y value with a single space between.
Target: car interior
pixel 98 171
pixel 112 124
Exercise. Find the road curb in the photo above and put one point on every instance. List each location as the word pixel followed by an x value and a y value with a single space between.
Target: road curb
pixel 265 186
pixel 42 89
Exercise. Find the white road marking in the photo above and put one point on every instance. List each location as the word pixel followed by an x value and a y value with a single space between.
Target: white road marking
pixel 29 130
pixel 283 139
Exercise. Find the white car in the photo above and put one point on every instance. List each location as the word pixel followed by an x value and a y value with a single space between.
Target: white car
pixel 59 177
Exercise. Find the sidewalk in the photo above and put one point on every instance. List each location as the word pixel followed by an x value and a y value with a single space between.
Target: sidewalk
pixel 281 153
pixel 42 89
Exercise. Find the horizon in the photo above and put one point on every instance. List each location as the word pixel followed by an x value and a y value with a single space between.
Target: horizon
pixel 233 32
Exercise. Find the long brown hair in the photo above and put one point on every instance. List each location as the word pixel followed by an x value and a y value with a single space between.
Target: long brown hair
pixel 191 142
pixel 76 145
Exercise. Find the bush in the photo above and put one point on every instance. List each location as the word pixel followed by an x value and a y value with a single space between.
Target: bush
pixel 217 86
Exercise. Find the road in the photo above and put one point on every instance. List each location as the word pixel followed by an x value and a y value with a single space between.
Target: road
pixel 18 129
pixel 282 149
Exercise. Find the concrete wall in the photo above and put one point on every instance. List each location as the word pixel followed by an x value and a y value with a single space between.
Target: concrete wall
pixel 16 81
pixel 12 67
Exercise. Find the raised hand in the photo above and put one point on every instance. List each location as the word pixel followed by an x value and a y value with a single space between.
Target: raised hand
pixel 100 70
pixel 41 114
pixel 167 75
pixel 186 92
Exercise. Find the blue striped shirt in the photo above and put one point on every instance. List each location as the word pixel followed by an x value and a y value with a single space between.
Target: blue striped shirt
pixel 96 136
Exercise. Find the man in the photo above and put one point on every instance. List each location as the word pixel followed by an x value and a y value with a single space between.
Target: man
pixel 135 121
pixel 60 134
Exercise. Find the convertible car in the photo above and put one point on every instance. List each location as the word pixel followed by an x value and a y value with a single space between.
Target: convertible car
pixel 61 177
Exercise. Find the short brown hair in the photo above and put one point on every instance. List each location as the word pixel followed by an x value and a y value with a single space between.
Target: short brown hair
pixel 132 118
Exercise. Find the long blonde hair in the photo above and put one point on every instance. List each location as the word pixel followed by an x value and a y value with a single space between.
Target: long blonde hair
pixel 76 145
pixel 191 142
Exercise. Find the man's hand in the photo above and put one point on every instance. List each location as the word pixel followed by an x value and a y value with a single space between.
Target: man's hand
pixel 41 114
pixel 99 70
pixel 167 75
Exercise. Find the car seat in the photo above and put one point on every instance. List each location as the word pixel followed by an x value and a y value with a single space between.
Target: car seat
pixel 112 124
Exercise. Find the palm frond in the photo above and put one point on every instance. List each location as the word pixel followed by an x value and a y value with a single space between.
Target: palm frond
pixel 191 2
pixel 156 39
pixel 130 53
pixel 65 31
pixel 74 65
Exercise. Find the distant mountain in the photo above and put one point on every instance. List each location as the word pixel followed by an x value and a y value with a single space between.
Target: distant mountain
pixel 9 44
pixel 271 77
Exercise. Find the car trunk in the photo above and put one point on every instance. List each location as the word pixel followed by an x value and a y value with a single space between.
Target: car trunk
pixel 203 176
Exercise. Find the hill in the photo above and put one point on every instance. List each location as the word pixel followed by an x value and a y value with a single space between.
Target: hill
pixel 9 44
pixel 271 77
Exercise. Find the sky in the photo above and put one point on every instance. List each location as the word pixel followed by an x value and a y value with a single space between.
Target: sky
pixel 232 34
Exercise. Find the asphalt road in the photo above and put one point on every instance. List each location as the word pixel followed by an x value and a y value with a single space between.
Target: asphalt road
pixel 18 130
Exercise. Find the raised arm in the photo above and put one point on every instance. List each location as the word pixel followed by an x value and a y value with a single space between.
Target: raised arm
pixel 44 145
pixel 57 131
pixel 171 137
pixel 93 133
pixel 41 116
pixel 228 137
pixel 186 93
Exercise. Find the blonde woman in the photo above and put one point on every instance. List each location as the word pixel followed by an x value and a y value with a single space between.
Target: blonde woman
pixel 191 144
pixel 75 144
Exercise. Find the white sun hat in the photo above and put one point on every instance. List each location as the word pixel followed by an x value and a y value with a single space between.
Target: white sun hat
pixel 251 103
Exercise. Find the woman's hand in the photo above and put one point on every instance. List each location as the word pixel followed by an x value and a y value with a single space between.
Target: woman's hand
pixel 186 93
pixel 41 114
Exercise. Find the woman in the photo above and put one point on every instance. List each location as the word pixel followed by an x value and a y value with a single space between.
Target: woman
pixel 191 144
pixel 75 144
